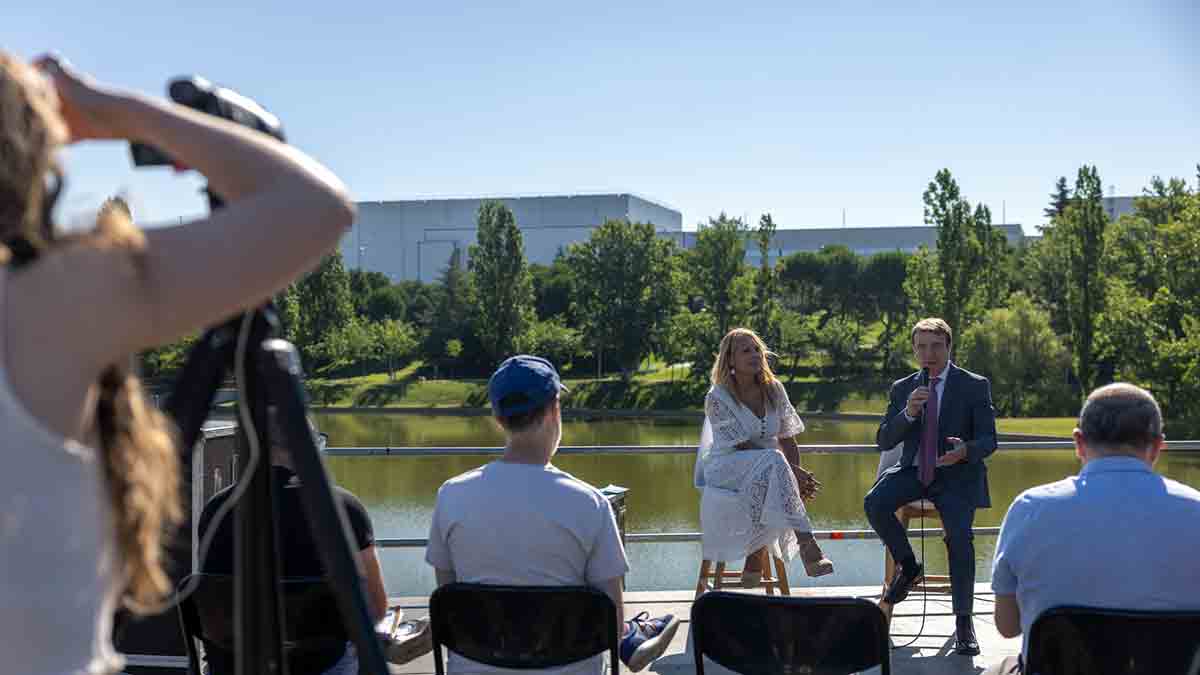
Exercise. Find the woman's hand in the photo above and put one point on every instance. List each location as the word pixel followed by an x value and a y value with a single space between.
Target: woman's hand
pixel 807 482
pixel 90 110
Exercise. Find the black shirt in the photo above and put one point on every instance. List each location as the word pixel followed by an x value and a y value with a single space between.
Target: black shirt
pixel 297 551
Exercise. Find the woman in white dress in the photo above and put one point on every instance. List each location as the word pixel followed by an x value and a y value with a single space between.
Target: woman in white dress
pixel 748 446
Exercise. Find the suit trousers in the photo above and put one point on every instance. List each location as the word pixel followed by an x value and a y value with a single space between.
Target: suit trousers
pixel 898 487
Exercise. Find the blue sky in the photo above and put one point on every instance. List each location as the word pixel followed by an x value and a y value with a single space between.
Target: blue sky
pixel 800 109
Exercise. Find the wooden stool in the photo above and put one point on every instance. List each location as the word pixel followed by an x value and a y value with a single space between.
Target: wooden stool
pixel 772 584
pixel 930 583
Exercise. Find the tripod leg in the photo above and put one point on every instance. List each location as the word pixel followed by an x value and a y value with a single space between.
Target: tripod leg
pixel 279 366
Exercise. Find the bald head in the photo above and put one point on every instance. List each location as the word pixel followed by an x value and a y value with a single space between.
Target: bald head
pixel 1120 419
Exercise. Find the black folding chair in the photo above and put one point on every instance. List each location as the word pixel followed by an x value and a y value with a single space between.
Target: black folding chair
pixel 523 626
pixel 1077 640
pixel 314 638
pixel 770 635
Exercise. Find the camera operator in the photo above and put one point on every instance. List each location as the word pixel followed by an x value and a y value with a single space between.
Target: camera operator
pixel 90 484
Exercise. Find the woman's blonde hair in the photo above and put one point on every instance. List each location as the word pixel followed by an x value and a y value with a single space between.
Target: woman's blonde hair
pixel 722 372
pixel 137 442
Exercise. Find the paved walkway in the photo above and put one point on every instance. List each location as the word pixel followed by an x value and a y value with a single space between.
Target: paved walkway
pixel 930 654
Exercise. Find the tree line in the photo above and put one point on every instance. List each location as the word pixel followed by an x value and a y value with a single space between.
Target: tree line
pixel 1091 300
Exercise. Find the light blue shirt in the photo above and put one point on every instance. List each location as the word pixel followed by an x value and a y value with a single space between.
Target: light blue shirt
pixel 1117 535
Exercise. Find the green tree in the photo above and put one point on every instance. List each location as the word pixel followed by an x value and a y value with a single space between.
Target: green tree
pixel 453 304
pixel 1163 201
pixel 717 262
pixel 801 276
pixel 362 284
pixel 420 301
pixel 923 283
pixel 554 341
pixel 395 343
pixel 694 337
pixel 1058 199
pixel 553 286
pixel 765 311
pixel 881 283
pixel 324 301
pixel 350 345
pixel 1016 348
pixel 958 248
pixel 385 304
pixel 626 289
pixel 503 287
pixel 840 293
pixel 796 333
pixel 1083 227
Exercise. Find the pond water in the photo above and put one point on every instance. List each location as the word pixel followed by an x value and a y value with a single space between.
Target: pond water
pixel 399 492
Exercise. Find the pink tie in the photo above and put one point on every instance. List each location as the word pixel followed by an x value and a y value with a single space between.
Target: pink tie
pixel 929 434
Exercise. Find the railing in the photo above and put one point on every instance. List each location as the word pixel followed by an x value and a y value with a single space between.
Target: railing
pixel 684 537
pixel 688 449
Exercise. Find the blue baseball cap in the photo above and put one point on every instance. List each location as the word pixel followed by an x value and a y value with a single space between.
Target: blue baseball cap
pixel 522 383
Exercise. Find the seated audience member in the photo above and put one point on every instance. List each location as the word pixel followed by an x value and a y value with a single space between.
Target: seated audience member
pixel 1116 536
pixel 297 549
pixel 522 521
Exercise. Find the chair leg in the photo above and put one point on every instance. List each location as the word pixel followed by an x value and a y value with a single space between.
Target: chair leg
pixel 720 580
pixel 702 582
pixel 781 577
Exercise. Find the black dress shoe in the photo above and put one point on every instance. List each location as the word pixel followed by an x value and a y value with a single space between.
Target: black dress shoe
pixel 964 637
pixel 903 582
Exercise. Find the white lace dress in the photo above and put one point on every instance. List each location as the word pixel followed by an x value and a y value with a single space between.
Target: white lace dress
pixel 768 507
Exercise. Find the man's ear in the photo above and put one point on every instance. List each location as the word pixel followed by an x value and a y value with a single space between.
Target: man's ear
pixel 1156 449
pixel 1080 445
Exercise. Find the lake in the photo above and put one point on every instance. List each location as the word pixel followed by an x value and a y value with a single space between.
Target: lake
pixel 399 492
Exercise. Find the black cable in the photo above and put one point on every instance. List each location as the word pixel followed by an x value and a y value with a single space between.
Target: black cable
pixel 924 592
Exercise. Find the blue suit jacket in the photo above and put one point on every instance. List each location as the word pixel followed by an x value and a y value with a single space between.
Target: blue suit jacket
pixel 966 412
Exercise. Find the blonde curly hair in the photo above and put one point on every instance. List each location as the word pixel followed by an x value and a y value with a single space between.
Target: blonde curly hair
pixel 137 442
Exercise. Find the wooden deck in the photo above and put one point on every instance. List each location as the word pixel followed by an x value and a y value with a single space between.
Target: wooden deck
pixel 930 654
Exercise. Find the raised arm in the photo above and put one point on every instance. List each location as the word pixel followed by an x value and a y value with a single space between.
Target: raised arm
pixel 283 212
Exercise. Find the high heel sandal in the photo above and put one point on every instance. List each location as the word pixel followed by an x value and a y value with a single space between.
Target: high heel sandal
pixel 815 562
pixel 752 577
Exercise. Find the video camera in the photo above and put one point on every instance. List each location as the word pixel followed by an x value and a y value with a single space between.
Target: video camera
pixel 199 94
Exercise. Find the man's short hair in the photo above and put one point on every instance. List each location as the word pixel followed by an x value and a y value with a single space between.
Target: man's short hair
pixel 525 420
pixel 1120 416
pixel 932 325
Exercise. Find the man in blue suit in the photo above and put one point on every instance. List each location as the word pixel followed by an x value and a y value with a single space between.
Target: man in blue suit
pixel 944 416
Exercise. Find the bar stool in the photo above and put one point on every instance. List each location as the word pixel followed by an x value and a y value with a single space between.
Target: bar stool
pixel 718 576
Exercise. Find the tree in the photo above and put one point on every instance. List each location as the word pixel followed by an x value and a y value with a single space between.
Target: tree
pixel 692 335
pixel 717 261
pixel 765 311
pixel 958 249
pixel 362 284
pixel 395 342
pixel 1058 199
pixel 324 302
pixel 923 283
pixel 795 338
pixel 625 290
pixel 553 286
pixel 992 264
pixel 385 304
pixel 839 286
pixel 1016 348
pixel 453 305
pixel 1163 201
pixel 504 289
pixel 881 283
pixel 349 345
pixel 801 275
pixel 420 301
pixel 553 341
pixel 1083 227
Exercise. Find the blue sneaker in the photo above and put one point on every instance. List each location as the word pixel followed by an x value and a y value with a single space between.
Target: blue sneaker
pixel 646 639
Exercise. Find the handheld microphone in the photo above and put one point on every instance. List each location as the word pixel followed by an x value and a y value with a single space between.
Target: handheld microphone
pixel 924 382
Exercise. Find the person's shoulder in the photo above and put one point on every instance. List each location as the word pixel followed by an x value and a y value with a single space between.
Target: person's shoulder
pixel 1047 493
pixel 463 481
pixel 348 498
pixel 906 379
pixel 574 487
pixel 1181 491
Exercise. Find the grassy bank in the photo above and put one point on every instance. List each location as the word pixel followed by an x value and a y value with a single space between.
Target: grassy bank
pixel 660 390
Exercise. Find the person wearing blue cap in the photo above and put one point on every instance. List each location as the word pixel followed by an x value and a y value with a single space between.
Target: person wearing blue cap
pixel 522 521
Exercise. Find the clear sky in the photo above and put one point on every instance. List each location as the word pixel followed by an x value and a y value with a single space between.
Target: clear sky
pixel 801 109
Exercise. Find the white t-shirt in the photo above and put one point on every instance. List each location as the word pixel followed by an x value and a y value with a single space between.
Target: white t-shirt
pixel 524 525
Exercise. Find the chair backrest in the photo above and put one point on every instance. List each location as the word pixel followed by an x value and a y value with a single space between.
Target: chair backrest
pixel 523 626
pixel 760 635
pixel 1070 640
pixel 314 637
